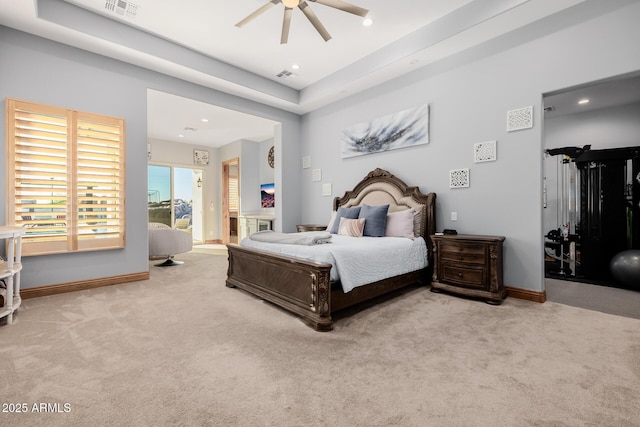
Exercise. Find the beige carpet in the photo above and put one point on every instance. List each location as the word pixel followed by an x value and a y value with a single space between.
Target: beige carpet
pixel 182 349
pixel 210 248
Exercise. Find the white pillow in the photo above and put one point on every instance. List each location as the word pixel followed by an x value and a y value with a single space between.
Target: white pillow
pixel 400 224
pixel 351 227
pixel 332 220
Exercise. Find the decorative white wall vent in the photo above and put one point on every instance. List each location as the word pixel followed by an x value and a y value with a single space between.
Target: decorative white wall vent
pixel 122 7
pixel 459 178
pixel 522 118
pixel 306 162
pixel 484 151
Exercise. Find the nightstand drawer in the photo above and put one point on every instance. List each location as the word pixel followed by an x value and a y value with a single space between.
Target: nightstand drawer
pixel 470 277
pixel 469 265
pixel 469 253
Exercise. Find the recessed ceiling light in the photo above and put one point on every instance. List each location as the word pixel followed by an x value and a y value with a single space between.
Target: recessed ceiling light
pixel 295 67
pixel 181 136
pixel 584 101
pixel 367 22
pixel 204 120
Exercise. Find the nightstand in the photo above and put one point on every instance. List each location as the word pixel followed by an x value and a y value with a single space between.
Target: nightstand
pixel 311 227
pixel 469 265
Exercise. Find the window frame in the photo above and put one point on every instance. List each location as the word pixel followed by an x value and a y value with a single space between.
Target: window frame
pixel 85 154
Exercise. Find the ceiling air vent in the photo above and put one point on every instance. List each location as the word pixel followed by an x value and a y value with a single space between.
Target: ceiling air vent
pixel 284 74
pixel 122 7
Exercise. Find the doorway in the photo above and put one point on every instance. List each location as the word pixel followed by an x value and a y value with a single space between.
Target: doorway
pixel 174 198
pixel 230 200
pixel 591 184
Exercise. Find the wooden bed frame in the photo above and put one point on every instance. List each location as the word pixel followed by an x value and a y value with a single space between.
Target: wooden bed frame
pixel 303 287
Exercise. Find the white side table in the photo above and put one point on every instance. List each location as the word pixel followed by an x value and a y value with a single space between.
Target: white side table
pixel 10 269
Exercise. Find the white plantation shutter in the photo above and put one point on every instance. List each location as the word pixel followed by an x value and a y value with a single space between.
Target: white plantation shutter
pixel 68 170
pixel 99 181
pixel 234 193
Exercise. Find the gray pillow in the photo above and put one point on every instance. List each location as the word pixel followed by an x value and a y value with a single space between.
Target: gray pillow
pixel 375 219
pixel 351 213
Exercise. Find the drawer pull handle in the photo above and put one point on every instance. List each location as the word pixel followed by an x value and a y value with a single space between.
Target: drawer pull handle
pixel 459 274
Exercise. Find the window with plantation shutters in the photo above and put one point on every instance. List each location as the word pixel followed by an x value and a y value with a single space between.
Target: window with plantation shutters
pixel 66 178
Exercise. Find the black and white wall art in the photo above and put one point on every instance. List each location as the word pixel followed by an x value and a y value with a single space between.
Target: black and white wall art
pixel 407 128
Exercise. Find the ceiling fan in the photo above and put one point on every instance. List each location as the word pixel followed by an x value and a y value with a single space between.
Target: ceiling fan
pixel 303 5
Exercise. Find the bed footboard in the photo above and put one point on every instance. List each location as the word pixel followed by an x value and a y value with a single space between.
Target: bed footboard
pixel 299 286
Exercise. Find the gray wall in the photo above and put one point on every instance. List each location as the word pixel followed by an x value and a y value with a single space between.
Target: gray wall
pixel 249 177
pixel 38 70
pixel 254 171
pixel 267 174
pixel 469 96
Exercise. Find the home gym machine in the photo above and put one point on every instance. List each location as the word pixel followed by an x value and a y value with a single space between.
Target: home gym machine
pixel 561 243
pixel 599 215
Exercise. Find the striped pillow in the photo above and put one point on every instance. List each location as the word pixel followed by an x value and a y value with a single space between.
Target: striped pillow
pixel 351 227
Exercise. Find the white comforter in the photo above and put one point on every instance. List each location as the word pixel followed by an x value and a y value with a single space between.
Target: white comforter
pixel 302 238
pixel 356 261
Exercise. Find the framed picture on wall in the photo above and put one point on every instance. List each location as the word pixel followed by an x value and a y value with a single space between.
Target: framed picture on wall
pixel 200 157
pixel 267 195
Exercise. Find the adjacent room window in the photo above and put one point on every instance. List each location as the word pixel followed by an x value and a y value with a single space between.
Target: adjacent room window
pixel 66 178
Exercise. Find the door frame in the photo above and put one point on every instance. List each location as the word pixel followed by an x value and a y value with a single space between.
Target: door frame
pixel 226 215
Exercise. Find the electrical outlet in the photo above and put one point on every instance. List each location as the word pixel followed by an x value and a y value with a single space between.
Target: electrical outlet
pixel 454 216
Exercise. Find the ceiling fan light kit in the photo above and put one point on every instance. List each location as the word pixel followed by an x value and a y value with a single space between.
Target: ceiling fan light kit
pixel 303 5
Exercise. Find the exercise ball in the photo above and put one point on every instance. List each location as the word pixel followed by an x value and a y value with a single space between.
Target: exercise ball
pixel 625 268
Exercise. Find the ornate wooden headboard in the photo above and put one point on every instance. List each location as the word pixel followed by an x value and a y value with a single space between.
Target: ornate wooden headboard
pixel 380 187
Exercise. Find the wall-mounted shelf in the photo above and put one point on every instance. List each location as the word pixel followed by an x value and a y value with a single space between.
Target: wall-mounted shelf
pixel 10 270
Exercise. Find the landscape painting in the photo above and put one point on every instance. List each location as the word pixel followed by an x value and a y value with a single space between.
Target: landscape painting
pixel 407 128
pixel 268 195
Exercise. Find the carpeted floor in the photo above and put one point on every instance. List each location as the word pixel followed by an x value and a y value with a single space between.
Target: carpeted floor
pixel 182 349
pixel 210 248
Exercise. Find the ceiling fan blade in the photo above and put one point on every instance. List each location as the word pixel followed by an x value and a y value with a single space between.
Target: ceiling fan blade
pixel 257 13
pixel 286 24
pixel 344 6
pixel 313 18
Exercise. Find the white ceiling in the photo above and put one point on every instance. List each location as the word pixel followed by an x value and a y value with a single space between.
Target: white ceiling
pixel 603 94
pixel 174 118
pixel 197 40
